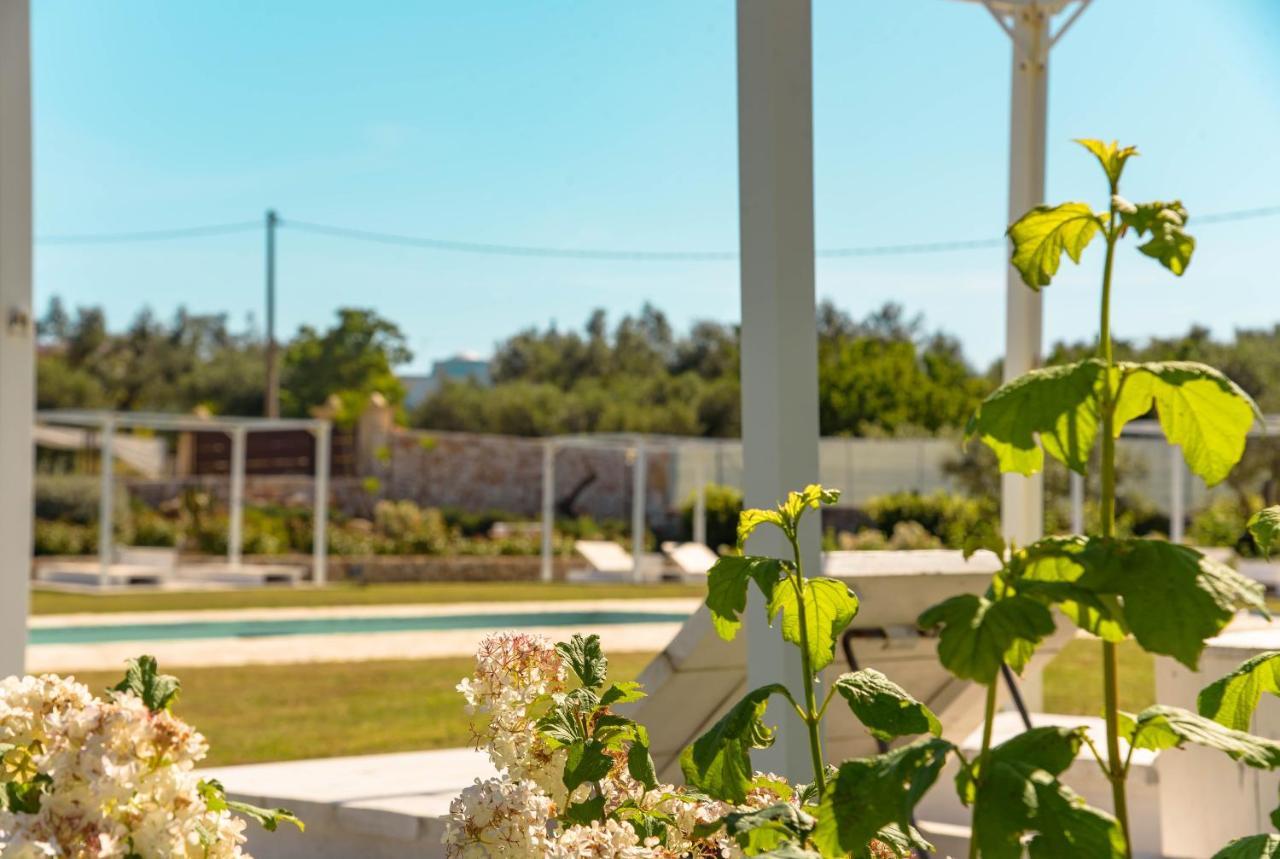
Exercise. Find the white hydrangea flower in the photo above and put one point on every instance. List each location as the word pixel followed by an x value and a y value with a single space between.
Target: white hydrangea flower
pixel 499 819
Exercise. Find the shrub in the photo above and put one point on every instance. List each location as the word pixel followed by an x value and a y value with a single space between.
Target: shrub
pixel 724 503
pixel 950 518
pixel 1222 523
pixel 73 498
pixel 152 528
pixel 64 538
pixel 411 529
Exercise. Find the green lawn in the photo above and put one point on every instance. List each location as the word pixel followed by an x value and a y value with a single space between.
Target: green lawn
pixel 51 602
pixel 285 712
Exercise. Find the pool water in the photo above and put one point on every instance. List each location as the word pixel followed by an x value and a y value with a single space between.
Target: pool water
pixel 338 625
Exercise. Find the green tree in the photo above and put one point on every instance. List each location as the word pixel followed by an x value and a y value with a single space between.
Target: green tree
pixel 352 360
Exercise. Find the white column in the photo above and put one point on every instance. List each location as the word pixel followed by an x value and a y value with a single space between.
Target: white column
pixel 1077 503
pixel 548 508
pixel 1177 495
pixel 1022 498
pixel 639 476
pixel 235 526
pixel 106 499
pixel 779 330
pixel 17 335
pixel 320 516
pixel 699 497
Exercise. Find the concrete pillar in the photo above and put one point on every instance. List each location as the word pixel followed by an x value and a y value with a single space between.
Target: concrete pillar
pixel 17 333
pixel 106 499
pixel 699 497
pixel 548 508
pixel 1022 498
pixel 1177 495
pixel 639 477
pixel 779 331
pixel 235 520
pixel 320 516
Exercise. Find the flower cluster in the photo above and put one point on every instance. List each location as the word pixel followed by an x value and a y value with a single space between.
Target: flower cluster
pixel 102 777
pixel 516 815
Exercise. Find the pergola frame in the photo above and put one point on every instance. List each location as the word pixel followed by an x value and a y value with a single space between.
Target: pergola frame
pixel 237 429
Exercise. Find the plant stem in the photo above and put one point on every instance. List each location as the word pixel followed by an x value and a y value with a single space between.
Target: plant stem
pixel 1110 663
pixel 812 720
pixel 987 726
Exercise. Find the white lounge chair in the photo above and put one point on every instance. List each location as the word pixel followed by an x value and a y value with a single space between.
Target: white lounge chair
pixel 691 560
pixel 607 561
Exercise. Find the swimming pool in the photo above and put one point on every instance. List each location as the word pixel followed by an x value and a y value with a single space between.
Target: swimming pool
pixel 106 633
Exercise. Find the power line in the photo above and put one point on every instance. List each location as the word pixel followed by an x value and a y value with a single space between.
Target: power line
pixel 603 254
pixel 149 235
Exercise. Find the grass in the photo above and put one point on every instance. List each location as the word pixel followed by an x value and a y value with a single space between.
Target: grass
pixel 1073 685
pixel 285 712
pixel 52 602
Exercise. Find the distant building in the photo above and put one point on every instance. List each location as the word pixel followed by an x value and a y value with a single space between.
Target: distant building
pixel 466 367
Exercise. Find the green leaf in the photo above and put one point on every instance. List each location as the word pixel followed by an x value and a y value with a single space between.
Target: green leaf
pixel 1174 598
pixel 1160 727
pixel 1041 236
pixel 1111 156
pixel 905 844
pixel 566 723
pixel 884 707
pixel 625 692
pixel 727 583
pixel 640 760
pixel 1169 242
pixel 1200 409
pixel 1232 700
pixel 587 761
pixel 1016 793
pixel 763 829
pixel 215 799
pixel 1048 570
pixel 719 762
pixel 144 680
pixel 23 797
pixel 869 794
pixel 1253 847
pixel 1055 408
pixel 585 659
pixel 583 813
pixel 750 520
pixel 829 606
pixel 811 497
pixel 979 633
pixel 1265 528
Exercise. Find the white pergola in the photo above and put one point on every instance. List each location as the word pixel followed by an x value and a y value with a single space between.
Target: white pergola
pixel 105 424
pixel 779 338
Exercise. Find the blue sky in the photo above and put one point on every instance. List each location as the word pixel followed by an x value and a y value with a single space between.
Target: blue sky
pixel 578 124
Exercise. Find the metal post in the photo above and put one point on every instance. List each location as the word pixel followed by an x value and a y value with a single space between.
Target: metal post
pixel 1022 498
pixel 639 473
pixel 1077 503
pixel 548 508
pixel 235 527
pixel 779 338
pixel 17 335
pixel 106 512
pixel 320 516
pixel 699 499
pixel 1177 495
pixel 272 403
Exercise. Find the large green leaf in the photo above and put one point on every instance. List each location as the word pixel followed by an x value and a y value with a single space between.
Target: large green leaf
pixel 1265 528
pixel 751 519
pixel 143 679
pixel 869 794
pixel 719 762
pixel 979 633
pixel 1048 570
pixel 727 583
pixel 586 659
pixel 884 707
pixel 1174 598
pixel 1231 700
pixel 1160 727
pixel 770 828
pixel 1265 846
pixel 1041 236
pixel 1017 793
pixel 640 759
pixel 1164 222
pixel 1112 156
pixel 588 760
pixel 1199 408
pixel 829 606
pixel 1055 408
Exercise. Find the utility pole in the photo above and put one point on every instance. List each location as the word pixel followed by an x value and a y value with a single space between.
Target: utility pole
pixel 272 403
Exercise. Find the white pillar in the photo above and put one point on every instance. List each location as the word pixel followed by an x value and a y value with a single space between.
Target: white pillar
pixel 1177 495
pixel 699 497
pixel 320 516
pixel 779 330
pixel 1077 503
pixel 639 476
pixel 235 525
pixel 17 335
pixel 106 499
pixel 1022 498
pixel 548 508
